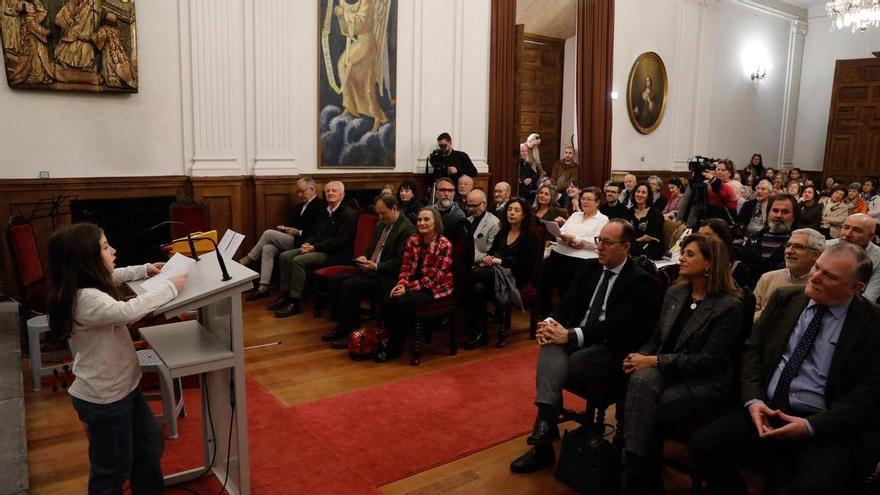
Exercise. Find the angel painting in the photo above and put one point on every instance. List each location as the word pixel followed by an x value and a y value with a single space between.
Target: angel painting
pixel 356 101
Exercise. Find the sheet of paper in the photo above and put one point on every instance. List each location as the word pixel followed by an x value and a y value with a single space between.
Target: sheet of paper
pixel 229 244
pixel 178 264
pixel 553 228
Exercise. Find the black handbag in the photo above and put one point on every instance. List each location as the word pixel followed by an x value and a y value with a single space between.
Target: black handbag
pixel 588 462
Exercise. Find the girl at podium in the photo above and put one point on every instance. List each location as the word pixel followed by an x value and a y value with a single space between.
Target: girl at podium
pixel 85 308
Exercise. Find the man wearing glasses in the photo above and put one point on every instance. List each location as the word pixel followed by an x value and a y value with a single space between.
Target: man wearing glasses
pixel 482 226
pixel 613 208
pixel 859 229
pixel 608 312
pixel 450 211
pixel 801 252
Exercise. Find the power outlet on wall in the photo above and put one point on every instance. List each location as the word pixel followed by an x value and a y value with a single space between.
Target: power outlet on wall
pixel 44 174
pixel 642 159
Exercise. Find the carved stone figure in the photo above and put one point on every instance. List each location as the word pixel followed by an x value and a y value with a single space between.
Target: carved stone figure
pixel 33 66
pixel 115 65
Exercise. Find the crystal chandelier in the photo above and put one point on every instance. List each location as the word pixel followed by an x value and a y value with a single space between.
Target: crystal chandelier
pixel 858 15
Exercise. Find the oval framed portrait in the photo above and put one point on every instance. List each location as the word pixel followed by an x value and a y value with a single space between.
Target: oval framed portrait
pixel 646 92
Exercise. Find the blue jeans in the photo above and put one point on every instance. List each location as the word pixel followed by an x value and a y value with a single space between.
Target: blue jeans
pixel 125 442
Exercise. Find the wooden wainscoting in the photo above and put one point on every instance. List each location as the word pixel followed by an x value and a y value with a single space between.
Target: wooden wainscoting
pixel 34 197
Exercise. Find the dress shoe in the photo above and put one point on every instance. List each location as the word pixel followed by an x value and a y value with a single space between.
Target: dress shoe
pixel 535 459
pixel 340 343
pixel 257 294
pixel 279 303
pixel 290 309
pixel 478 340
pixel 334 334
pixel 543 433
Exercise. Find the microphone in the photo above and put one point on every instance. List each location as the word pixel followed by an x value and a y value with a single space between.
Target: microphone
pixel 192 247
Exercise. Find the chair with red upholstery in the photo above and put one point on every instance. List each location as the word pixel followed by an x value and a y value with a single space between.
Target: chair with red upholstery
pixel 529 293
pixel 362 238
pixel 449 308
pixel 22 243
pixel 191 212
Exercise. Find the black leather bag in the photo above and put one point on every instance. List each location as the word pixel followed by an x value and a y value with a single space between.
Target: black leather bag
pixel 588 462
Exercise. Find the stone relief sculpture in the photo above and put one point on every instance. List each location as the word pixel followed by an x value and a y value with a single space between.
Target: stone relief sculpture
pixel 80 45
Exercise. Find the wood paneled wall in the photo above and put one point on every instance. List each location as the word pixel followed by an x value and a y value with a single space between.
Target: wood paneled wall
pixel 246 204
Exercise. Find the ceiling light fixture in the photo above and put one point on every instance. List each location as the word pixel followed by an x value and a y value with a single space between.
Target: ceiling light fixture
pixel 858 15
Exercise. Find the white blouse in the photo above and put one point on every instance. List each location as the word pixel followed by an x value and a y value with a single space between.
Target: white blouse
pixel 583 230
pixel 105 363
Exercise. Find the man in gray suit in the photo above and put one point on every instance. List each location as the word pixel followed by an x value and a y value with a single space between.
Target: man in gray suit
pixel 483 227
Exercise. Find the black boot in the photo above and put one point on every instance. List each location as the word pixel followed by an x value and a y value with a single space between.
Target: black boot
pixel 282 301
pixel 290 309
pixel 535 459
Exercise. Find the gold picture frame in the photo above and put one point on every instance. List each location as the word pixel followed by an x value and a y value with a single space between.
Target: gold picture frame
pixel 647 73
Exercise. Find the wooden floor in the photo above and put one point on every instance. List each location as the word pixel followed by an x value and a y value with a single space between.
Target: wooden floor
pixel 302 369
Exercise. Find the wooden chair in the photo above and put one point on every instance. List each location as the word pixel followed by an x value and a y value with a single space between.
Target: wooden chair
pixel 191 212
pixel 362 238
pixel 529 293
pixel 22 243
pixel 449 308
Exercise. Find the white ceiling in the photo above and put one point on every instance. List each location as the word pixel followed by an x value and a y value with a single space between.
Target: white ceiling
pixel 557 19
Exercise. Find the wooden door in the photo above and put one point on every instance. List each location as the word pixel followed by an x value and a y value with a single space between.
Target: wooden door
pixel 852 149
pixel 539 92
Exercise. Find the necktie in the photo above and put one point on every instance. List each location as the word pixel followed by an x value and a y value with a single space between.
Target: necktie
pixel 793 366
pixel 599 299
pixel 380 244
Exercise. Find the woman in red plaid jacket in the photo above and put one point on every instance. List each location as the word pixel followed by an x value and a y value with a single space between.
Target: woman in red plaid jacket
pixel 425 275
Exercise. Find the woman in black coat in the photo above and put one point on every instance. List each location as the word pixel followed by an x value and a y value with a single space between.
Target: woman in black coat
pixel 648 222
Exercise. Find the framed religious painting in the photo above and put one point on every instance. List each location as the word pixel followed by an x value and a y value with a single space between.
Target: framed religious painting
pixel 78 45
pixel 646 92
pixel 357 83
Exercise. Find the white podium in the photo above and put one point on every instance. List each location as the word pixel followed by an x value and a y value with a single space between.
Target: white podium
pixel 211 347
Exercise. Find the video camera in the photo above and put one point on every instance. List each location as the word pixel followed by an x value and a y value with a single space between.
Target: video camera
pixel 699 164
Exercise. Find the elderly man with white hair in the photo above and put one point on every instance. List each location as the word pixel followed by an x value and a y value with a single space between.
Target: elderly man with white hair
pixel 859 229
pixel 801 252
pixel 500 195
pixel 331 242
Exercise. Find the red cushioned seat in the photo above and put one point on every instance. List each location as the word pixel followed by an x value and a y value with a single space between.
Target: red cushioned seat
pixel 363 236
pixel 333 271
pixel 437 308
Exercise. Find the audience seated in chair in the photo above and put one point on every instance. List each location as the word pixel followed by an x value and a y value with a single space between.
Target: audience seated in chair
pixel 810 386
pixel 571 251
pixel 606 314
pixel 500 196
pixel 450 211
pixel 285 237
pixel 425 275
pixel 858 229
pixel 612 207
pixel 801 251
pixel 648 222
pixel 409 204
pixel 546 207
pixel 753 213
pixel 378 269
pixel 765 250
pixel 482 225
pixel 513 249
pixel 331 242
pixel 685 371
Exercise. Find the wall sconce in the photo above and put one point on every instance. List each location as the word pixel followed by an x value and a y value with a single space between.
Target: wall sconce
pixel 759 73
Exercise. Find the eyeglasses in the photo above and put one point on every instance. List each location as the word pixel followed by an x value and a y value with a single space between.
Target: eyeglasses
pixel 445 189
pixel 607 242
pixel 611 191
pixel 798 246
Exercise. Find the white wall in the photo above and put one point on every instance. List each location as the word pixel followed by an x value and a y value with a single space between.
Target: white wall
pixel 823 49
pixel 80 134
pixel 234 91
pixel 713 108
pixel 569 96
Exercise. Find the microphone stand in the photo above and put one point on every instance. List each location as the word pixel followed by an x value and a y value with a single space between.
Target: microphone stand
pixel 219 257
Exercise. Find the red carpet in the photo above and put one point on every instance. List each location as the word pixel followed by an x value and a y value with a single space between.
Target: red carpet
pixel 352 443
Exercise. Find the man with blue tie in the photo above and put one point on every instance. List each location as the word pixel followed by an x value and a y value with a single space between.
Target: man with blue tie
pixel 810 386
pixel 608 312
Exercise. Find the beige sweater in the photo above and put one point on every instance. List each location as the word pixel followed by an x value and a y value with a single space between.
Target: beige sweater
pixel 105 363
pixel 769 282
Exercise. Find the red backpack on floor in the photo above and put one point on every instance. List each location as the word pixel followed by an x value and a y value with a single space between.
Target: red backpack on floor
pixel 364 342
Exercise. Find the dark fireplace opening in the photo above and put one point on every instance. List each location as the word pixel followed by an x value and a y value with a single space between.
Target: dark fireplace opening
pixel 126 223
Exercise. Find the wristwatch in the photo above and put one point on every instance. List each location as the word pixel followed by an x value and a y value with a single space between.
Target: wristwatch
pixel 572 337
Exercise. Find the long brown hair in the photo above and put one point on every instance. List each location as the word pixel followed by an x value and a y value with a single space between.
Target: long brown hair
pixel 719 280
pixel 75 263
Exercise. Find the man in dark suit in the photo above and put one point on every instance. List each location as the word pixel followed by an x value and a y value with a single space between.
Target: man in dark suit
pixel 607 313
pixel 379 267
pixel 810 385
pixel 331 241
pixel 285 237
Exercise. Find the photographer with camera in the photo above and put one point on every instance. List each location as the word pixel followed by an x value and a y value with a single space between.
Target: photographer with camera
pixel 710 195
pixel 448 162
